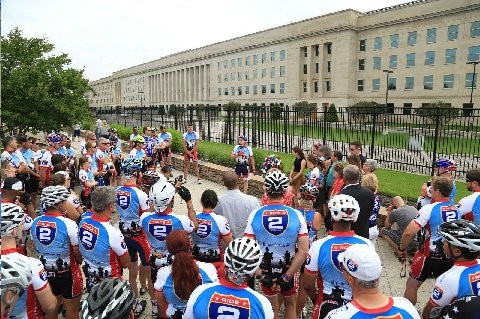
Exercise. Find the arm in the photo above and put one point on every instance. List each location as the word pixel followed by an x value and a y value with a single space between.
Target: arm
pixel 43 175
pixel 388 223
pixel 77 254
pixel 161 302
pixel 428 308
pixel 47 301
pixel 309 279
pixel 125 260
pixel 408 235
pixel 72 212
pixel 184 143
pixel 317 221
pixel 227 239
pixel 192 215
pixel 302 168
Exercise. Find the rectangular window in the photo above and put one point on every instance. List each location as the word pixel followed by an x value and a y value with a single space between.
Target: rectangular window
pixel 329 48
pixel 392 84
pixel 264 89
pixel 452 32
pixel 428 82
pixel 272 72
pixel 393 62
pixel 375 84
pixel 239 76
pixel 430 58
pixel 469 79
pixel 239 90
pixel 407 108
pixel 377 63
pixel 315 86
pixel 218 65
pixel 305 52
pixel 304 87
pixel 450 56
pixel 282 88
pixel 219 78
pixel 232 76
pixel 448 81
pixel 409 82
pixel 255 59
pixel 316 67
pixel 255 89
pixel 219 92
pixel 255 74
pixel 272 56
pixel 264 73
pixel 305 69
pixel 282 71
pixel 328 86
pixel 226 91
pixel 247 75
pixel 282 55
pixel 247 90
pixel 412 38
pixel 239 62
pixel 394 39
pixel 329 66
pixel 225 64
pixel 361 64
pixel 272 88
pixel 363 45
pixel 360 84
pixel 475 29
pixel 432 35
pixel 410 60
pixel 264 57
pixel 317 50
pixel 247 61
pixel 474 53
pixel 377 43
pixel 232 63
pixel 232 91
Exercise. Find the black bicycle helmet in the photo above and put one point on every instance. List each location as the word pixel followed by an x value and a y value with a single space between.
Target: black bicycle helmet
pixel 110 299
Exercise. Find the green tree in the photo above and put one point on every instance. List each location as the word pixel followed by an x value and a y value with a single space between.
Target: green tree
pixel 40 92
pixel 364 111
pixel 332 115
pixel 446 112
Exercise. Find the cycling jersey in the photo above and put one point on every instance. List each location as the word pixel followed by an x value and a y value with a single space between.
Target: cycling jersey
pixel 242 159
pixel 74 200
pixel 131 203
pixel 92 160
pixel 27 306
pixel 165 136
pixel 83 149
pixel 15 158
pixel 211 229
pixel 471 205
pixel 462 280
pixel 226 300
pixel 28 156
pixel 276 228
pixel 149 145
pixel 190 139
pixel 98 156
pixel 431 217
pixel 309 215
pixel 164 283
pixel 85 176
pixel 396 308
pixel 62 151
pixel 138 154
pixel 70 152
pixel 376 209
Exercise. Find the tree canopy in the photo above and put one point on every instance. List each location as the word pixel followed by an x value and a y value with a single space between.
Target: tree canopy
pixel 40 91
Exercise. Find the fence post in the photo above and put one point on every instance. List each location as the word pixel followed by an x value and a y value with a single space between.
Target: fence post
pixel 124 116
pixel 372 144
pixel 435 139
pixel 190 114
pixel 175 114
pixel 133 120
pixel 151 116
pixel 285 129
pixel 253 123
pixel 141 117
pixel 208 122
pixel 324 137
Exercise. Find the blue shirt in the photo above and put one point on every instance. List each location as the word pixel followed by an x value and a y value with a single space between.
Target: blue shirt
pixel 309 215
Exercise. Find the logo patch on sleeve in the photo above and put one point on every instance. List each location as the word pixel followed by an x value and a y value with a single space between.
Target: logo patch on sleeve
pixel 437 293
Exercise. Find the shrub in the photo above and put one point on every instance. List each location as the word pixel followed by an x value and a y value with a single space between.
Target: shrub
pixel 123 132
pixel 364 111
pixel 276 111
pixel 446 112
pixel 331 115
pixel 304 108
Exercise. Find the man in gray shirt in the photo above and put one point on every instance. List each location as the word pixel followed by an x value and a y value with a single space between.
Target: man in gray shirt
pixel 400 214
pixel 234 205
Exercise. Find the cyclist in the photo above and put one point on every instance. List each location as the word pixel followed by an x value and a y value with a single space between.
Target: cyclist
pixel 111 299
pixel 322 257
pixel 230 297
pixel 117 155
pixel 38 298
pixel 102 246
pixel 16 276
pixel 166 138
pixel 87 181
pixel 212 230
pixel 430 258
pixel 176 283
pixel 103 158
pixel 149 147
pixel 283 235
pixel 10 154
pixel 443 167
pixel 55 238
pixel 242 154
pixel 190 145
pixel 46 166
pixel 133 136
pixel 74 209
pixel 131 204
pixel 462 244
pixel 137 151
pixel 270 163
pixel 470 206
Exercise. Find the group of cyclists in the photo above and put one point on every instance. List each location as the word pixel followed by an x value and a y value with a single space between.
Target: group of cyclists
pixel 189 263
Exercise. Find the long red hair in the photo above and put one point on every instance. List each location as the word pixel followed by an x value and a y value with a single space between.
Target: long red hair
pixel 185 272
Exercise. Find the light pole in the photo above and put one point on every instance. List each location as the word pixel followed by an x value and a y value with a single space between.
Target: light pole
pixel 141 107
pixel 473 81
pixel 141 98
pixel 384 122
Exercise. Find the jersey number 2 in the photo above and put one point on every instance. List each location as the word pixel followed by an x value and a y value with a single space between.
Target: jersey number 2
pixel 233 313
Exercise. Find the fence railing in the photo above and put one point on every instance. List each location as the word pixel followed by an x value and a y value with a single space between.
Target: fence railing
pixel 402 140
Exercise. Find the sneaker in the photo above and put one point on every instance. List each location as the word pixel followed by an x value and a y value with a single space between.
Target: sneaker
pixel 140 308
pixel 154 309
pixel 143 291
pixel 199 181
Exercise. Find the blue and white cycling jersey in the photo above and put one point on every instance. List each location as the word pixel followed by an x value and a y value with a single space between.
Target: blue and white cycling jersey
pixel 138 154
pixel 164 283
pixel 462 280
pixel 471 204
pixel 242 159
pixel 225 300
pixel 454 191
pixel 211 229
pixel 372 221
pixel 70 152
pixel 322 259
pixel 309 215
pixel 131 203
pixel 190 139
pixel 28 156
pixel 149 145
pixel 62 151
pixel 397 308
pixel 15 158
pixel 166 137
pixel 54 236
pixel 101 245
pixel 276 228
pixel 431 217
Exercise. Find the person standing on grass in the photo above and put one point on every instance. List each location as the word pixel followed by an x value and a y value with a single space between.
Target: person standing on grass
pixel 241 153
pixel 190 145
pixel 355 148
pixel 297 177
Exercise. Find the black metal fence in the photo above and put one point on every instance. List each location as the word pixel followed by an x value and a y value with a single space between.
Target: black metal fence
pixel 404 139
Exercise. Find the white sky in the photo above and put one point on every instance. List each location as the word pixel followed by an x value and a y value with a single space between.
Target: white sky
pixel 103 36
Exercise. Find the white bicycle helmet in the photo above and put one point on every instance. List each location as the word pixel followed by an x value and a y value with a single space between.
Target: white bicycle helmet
pixel 243 256
pixel 15 272
pixel 276 182
pixel 307 191
pixel 52 195
pixel 149 178
pixel 461 233
pixel 12 217
pixel 161 195
pixel 344 207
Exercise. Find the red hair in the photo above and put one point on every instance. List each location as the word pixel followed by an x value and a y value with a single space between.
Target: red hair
pixel 185 272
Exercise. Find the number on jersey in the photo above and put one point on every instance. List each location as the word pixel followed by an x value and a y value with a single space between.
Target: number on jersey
pixel 123 199
pixel 46 232
pixel 275 222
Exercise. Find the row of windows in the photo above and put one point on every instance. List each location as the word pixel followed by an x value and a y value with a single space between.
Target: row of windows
pixel 317 67
pixel 238 76
pixel 448 82
pixel 316 49
pixel 431 37
pixel 328 86
pixel 239 90
pixel 134 81
pixel 450 58
pixel 252 60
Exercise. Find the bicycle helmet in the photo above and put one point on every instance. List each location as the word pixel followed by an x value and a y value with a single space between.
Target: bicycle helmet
pixel 113 130
pixel 130 166
pixel 270 162
pixel 53 138
pixel 113 139
pixel 138 139
pixel 12 217
pixel 149 178
pixel 461 233
pixel 52 195
pixel 461 308
pixel 243 256
pixel 308 191
pixel 276 182
pixel 15 272
pixel 110 299
pixel 344 207
pixel 161 194
pixel 449 164
pixel 243 137
pixel 154 129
